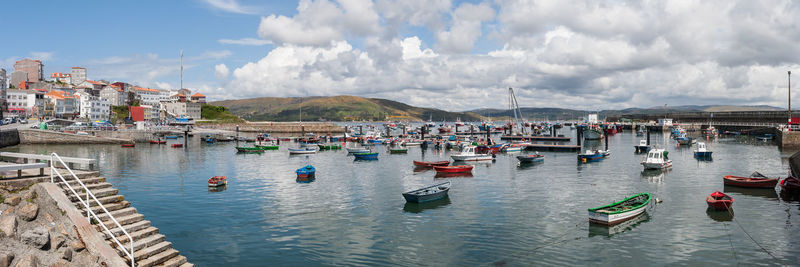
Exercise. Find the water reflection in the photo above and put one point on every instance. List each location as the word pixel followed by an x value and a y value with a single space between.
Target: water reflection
pixel 608 231
pixel 756 192
pixel 419 207
pixel 217 188
pixel 453 175
pixel 720 215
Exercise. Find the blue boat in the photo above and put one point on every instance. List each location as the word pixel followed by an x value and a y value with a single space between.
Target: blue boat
pixel 702 151
pixel 591 156
pixel 171 136
pixel 366 156
pixel 305 174
pixel 209 139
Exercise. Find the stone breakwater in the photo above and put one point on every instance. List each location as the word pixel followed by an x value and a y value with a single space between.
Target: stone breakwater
pixel 9 137
pixel 319 128
pixel 33 136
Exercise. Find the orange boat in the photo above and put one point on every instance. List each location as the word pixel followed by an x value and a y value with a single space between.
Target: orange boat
pixel 217 181
pixel 719 201
pixel 751 182
pixel 177 145
pixel 431 163
pixel 128 145
pixel 155 142
pixel 453 169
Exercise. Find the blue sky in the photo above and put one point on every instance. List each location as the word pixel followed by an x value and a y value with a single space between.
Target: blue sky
pixel 455 55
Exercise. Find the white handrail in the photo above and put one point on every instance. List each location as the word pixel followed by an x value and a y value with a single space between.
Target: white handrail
pixel 89 213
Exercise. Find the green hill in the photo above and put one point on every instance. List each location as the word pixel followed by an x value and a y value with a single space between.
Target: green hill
pixel 336 108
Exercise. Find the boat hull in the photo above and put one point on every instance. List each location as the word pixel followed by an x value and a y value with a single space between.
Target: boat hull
pixel 704 154
pixel 656 166
pixel 431 163
pixel 530 159
pixel 719 204
pixel 641 201
pixel 128 145
pixel 357 150
pixel 592 134
pixel 642 149
pixel 471 157
pixel 612 219
pixel 790 185
pixel 453 169
pixel 366 156
pixel 590 158
pixel 749 182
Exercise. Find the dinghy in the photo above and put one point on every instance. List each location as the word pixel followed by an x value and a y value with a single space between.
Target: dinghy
pixel 719 201
pixel 303 150
pixel 453 169
pixel 431 163
pixel 620 211
pixel 217 181
pixel 428 193
pixel 756 180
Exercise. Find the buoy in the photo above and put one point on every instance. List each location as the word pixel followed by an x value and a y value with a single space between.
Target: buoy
pixel 658 200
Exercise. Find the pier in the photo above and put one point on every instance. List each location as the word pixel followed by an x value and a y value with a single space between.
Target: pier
pixel 535 138
pixel 546 147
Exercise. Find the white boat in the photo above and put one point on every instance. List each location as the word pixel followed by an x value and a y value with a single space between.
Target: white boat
pixel 620 211
pixel 468 154
pixel 701 151
pixel 303 150
pixel 412 143
pixel 642 147
pixel 514 149
pixel 657 159
pixel 357 150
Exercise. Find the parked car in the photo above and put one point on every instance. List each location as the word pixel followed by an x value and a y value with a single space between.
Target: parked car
pixel 77 126
pixel 23 121
pixel 7 121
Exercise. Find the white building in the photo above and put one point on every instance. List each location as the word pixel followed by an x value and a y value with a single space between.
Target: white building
pixel 592 118
pixel 178 109
pixel 64 104
pixel 3 79
pixel 17 102
pixel 113 95
pixel 148 96
pixel 78 75
pixel 93 108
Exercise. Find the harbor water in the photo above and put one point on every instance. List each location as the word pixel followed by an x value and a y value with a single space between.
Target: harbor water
pixel 504 214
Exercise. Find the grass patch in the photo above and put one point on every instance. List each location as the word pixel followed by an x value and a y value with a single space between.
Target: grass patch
pixel 218 114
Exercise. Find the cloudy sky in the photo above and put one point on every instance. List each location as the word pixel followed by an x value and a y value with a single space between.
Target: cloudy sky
pixel 455 55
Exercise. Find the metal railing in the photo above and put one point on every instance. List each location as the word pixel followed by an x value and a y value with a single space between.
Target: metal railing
pixel 90 196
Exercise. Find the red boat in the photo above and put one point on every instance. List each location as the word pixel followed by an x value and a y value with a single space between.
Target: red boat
pixel 155 142
pixel 719 201
pixel 452 174
pixel 177 145
pixel 790 185
pixel 128 145
pixel 431 163
pixel 751 182
pixel 217 181
pixel 453 169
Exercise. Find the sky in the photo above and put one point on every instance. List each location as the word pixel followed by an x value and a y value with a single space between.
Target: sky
pixel 453 55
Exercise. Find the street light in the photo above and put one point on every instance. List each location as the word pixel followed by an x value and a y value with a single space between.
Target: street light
pixel 790 96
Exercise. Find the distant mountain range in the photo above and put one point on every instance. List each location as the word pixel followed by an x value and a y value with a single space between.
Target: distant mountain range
pixel 349 108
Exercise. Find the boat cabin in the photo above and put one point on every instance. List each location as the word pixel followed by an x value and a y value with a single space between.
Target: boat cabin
pixel 657 155
pixel 642 142
pixel 701 147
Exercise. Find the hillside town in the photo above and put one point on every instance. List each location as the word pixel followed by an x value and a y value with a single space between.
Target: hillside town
pixel 26 94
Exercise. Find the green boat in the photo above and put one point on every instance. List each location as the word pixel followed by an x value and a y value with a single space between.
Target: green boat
pixel 269 147
pixel 244 149
pixel 398 150
pixel 330 147
pixel 621 211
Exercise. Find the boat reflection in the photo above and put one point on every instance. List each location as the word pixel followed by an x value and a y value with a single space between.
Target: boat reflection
pixel 419 207
pixel 527 165
pixel 440 175
pixel 655 176
pixel 608 231
pixel 418 169
pixel 756 192
pixel 720 215
pixel 305 180
pixel 786 196
pixel 218 188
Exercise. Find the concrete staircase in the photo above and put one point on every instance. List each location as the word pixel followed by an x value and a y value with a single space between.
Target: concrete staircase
pixel 150 247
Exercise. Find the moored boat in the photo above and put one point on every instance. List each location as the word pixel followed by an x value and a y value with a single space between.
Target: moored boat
pixel 431 163
pixel 217 181
pixel 128 145
pixel 453 169
pixel 329 146
pixel 621 211
pixel 358 150
pixel 719 201
pixel 530 158
pixel 157 142
pixel 790 185
pixel 701 151
pixel 657 159
pixel 306 172
pixel 303 150
pixel 428 193
pixel 268 147
pixel 177 145
pixel 366 156
pixel 398 150
pixel 468 154
pixel 245 149
pixel 171 137
pixel 592 133
pixel 643 147
pixel 756 180
pixel 591 156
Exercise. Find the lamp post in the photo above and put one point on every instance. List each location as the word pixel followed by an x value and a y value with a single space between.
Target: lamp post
pixel 790 96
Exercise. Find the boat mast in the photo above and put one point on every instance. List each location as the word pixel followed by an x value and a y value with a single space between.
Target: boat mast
pixel 514 105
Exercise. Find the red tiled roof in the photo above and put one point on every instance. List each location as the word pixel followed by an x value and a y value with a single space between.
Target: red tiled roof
pixel 198 95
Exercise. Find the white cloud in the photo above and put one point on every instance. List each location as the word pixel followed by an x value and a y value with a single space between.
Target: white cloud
pixel 245 41
pixel 231 6
pixel 42 55
pixel 163 85
pixel 572 53
pixel 221 71
pixel 214 54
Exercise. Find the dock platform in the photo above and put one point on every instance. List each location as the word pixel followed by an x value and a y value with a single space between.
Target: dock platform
pixel 546 147
pixel 536 138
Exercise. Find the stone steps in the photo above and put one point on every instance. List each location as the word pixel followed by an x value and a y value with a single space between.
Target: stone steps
pixel 150 247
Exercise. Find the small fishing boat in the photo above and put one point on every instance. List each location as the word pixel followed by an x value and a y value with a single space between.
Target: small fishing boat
pixel 431 163
pixel 428 193
pixel 303 150
pixel 719 201
pixel 453 169
pixel 398 150
pixel 157 142
pixel 412 143
pixel 530 158
pixel 643 147
pixel 701 151
pixel 790 185
pixel 591 156
pixel 756 180
pixel 765 137
pixel 468 154
pixel 640 133
pixel 217 181
pixel 357 150
pixel 592 133
pixel 245 149
pixel 684 140
pixel 620 211
pixel 329 146
pixel 128 145
pixel 171 136
pixel 514 149
pixel 366 156
pixel 177 145
pixel 657 159
pixel 268 147
pixel 209 139
pixel 306 172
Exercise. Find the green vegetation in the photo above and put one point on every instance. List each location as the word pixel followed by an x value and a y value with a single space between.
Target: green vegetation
pixel 118 114
pixel 218 114
pixel 336 108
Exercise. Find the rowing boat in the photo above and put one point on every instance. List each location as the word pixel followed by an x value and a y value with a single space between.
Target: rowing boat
pixel 431 163
pixel 428 193
pixel 719 201
pixel 621 211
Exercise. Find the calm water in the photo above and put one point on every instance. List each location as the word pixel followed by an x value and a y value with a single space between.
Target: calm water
pixel 354 214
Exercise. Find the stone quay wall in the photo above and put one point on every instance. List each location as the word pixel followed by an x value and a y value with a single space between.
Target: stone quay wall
pixel 9 137
pixel 34 136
